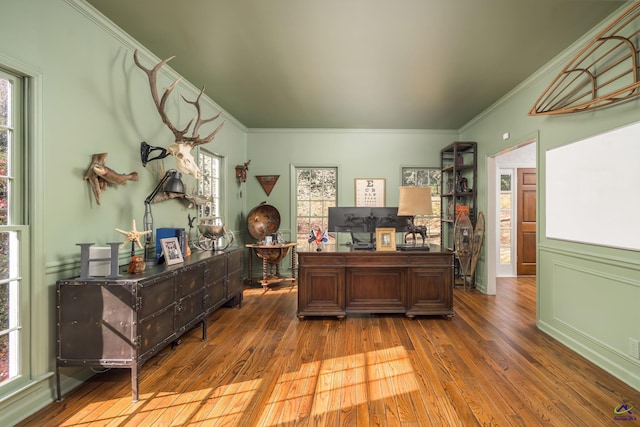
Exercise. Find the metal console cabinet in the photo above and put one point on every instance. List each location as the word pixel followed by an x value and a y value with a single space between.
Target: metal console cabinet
pixel 122 323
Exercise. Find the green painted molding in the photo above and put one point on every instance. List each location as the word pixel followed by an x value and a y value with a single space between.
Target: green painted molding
pixel 633 262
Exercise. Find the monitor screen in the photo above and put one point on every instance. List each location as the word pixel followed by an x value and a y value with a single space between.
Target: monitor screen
pixel 365 219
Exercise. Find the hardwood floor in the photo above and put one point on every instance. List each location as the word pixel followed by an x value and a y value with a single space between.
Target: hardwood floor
pixel 261 366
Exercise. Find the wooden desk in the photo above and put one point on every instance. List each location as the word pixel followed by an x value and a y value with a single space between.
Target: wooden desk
pixel 271 256
pixel 350 281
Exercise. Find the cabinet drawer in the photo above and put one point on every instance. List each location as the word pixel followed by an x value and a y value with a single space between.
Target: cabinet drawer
pixel 215 294
pixel 157 331
pixel 189 309
pixel 235 260
pixel 190 279
pixel 217 268
pixel 234 285
pixel 156 294
pixel 330 260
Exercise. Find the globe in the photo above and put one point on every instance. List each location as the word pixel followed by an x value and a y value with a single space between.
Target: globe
pixel 263 220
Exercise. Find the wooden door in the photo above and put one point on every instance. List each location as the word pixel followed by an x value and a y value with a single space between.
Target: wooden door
pixel 526 222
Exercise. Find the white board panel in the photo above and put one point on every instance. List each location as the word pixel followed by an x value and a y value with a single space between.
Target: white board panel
pixel 592 191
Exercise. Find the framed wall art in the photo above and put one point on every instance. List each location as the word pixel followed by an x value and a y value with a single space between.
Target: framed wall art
pixel 171 251
pixel 370 192
pixel 385 239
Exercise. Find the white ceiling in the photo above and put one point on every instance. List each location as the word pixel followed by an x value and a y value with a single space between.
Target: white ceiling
pixel 357 64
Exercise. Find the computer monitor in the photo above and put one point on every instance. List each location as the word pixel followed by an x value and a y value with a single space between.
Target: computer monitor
pixel 361 222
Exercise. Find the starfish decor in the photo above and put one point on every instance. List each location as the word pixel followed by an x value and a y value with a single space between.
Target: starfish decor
pixel 133 235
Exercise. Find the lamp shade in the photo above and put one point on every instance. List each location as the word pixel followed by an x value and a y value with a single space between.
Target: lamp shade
pixel 174 183
pixel 415 201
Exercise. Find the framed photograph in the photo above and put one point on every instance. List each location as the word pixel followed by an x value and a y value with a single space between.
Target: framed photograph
pixel 385 239
pixel 370 192
pixel 171 251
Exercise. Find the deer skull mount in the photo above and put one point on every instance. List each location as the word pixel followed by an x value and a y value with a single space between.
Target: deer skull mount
pixel 181 148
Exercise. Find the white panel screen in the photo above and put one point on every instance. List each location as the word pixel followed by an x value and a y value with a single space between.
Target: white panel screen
pixel 592 191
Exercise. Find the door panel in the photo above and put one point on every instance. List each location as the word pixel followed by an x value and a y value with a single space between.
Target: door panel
pixel 526 229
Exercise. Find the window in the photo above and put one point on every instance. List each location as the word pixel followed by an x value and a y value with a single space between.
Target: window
pixel 315 194
pixel 426 177
pixel 14 263
pixel 210 185
pixel 506 222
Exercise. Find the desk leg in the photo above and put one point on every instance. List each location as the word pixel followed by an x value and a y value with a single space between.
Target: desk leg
pixel 293 263
pixel 265 283
pixel 250 267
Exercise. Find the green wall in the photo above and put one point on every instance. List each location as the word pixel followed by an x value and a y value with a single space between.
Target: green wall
pixel 587 295
pixel 356 154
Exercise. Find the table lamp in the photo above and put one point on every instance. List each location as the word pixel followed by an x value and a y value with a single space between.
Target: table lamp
pixel 171 182
pixel 415 201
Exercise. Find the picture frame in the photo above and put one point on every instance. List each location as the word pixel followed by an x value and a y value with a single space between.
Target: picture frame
pixel 171 251
pixel 385 239
pixel 370 192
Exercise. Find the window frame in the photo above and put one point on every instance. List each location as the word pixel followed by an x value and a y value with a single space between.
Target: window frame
pixel 435 217
pixel 218 197
pixel 17 222
pixel 302 242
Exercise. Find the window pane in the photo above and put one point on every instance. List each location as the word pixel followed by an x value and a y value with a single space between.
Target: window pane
pixel 505 255
pixel 5 102
pixel 505 218
pixel 4 147
pixel 4 306
pixel 4 358
pixel 303 208
pixel 505 201
pixel 4 201
pixel 505 237
pixel 505 182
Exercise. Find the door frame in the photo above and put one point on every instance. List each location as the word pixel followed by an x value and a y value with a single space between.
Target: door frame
pixel 493 213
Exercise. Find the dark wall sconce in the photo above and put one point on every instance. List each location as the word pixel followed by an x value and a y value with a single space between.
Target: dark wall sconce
pixel 241 172
pixel 146 152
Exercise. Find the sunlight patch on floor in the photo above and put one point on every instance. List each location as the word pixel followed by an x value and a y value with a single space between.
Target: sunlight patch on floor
pixel 340 383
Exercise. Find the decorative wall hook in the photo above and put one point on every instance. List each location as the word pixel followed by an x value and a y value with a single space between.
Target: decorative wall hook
pixel 241 172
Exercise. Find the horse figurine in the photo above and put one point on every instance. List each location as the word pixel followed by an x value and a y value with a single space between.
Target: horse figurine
pixel 415 229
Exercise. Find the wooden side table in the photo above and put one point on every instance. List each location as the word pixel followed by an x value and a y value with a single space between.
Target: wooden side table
pixel 271 256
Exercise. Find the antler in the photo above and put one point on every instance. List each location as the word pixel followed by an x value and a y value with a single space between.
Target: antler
pixel 195 139
pixel 184 159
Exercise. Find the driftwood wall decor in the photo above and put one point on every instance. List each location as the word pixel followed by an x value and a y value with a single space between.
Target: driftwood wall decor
pixel 100 176
pixel 603 73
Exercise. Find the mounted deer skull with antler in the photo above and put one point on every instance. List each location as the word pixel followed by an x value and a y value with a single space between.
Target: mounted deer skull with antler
pixel 181 148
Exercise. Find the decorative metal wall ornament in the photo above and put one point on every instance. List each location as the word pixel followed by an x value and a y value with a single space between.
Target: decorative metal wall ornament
pixel 267 182
pixel 602 73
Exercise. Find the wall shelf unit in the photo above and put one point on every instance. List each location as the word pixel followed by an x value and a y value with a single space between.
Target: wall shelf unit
pixel 458 187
